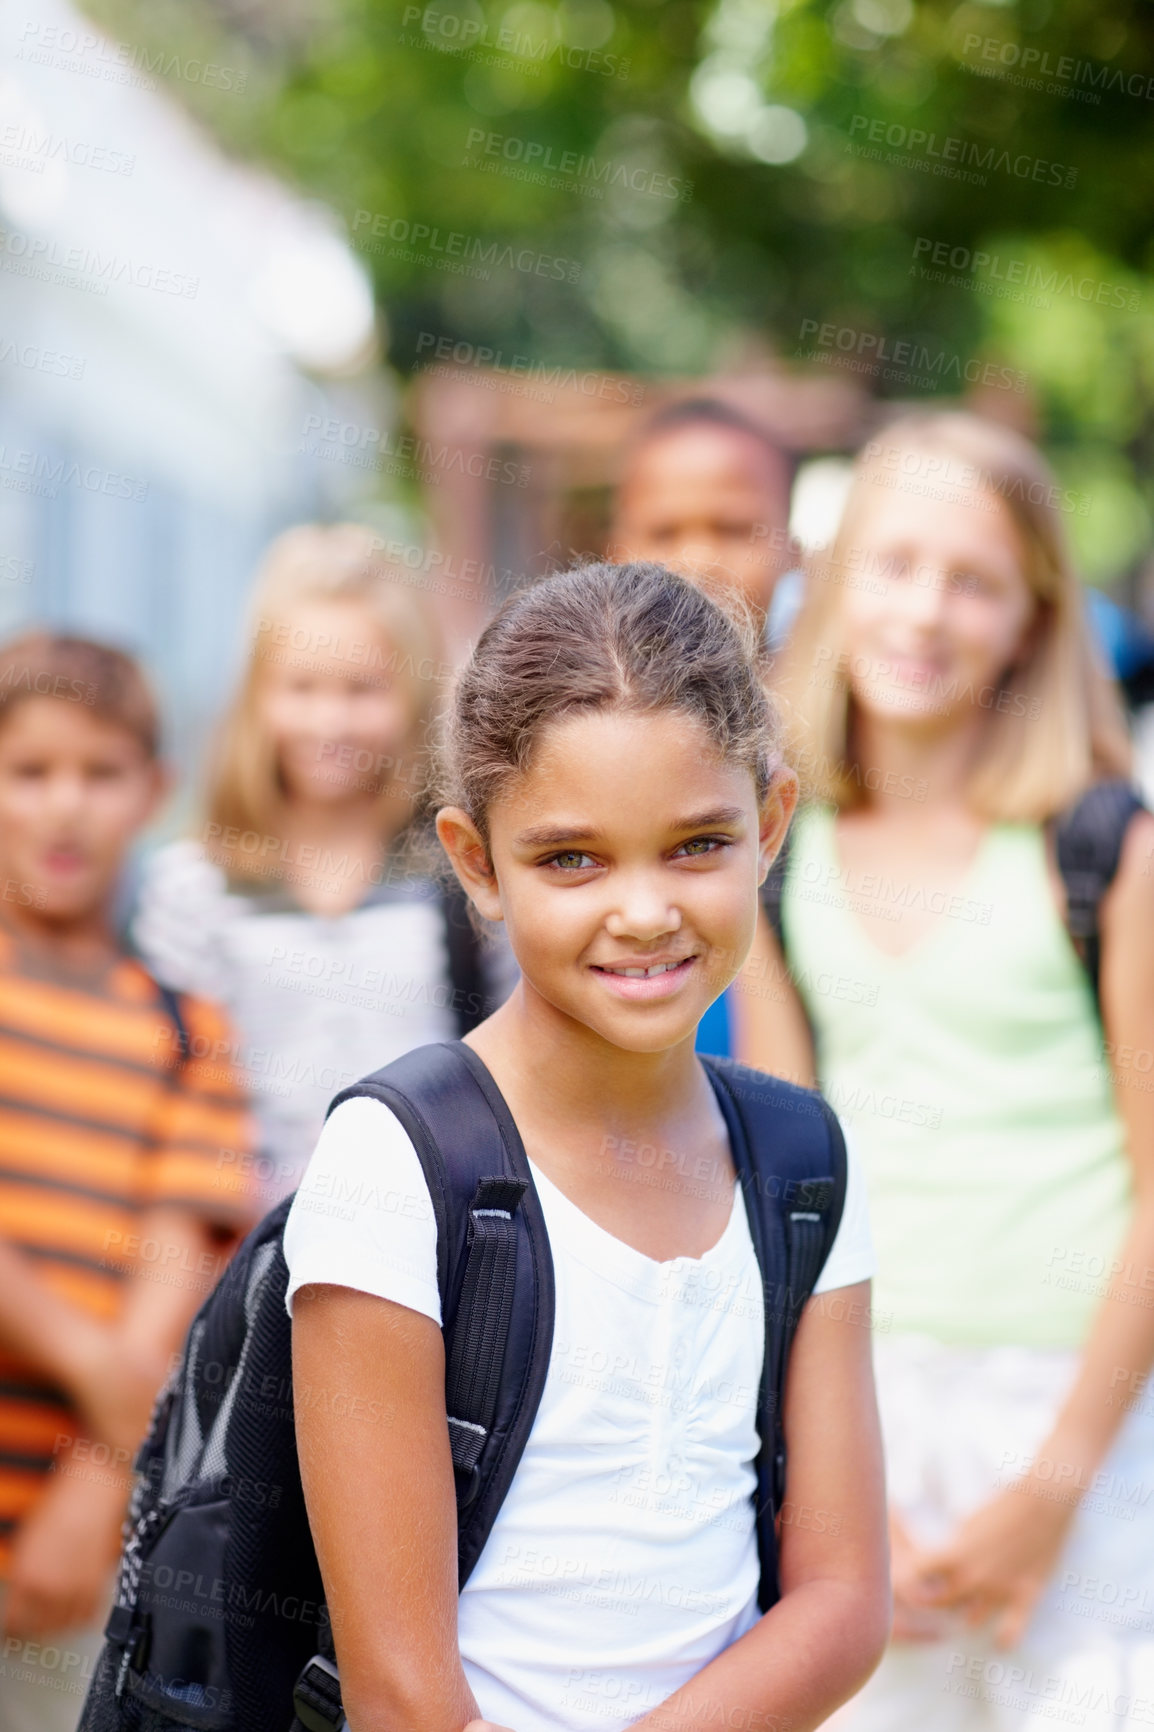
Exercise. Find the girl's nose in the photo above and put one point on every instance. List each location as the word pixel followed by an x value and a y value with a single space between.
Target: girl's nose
pixel 643 913
pixel 66 794
pixel 925 600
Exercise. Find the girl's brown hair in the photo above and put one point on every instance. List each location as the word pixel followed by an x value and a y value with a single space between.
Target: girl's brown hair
pixel 631 637
pixel 340 562
pixel 1056 725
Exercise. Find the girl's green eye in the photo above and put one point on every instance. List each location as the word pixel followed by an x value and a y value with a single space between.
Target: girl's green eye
pixel 702 845
pixel 571 860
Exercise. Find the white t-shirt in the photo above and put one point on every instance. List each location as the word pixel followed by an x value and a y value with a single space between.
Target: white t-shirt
pixel 624 1557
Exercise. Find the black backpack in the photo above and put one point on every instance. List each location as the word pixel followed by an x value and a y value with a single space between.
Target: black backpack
pixel 1088 840
pixel 219 1621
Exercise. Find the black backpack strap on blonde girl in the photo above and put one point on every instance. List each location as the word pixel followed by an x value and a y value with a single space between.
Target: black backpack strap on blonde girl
pixel 1088 840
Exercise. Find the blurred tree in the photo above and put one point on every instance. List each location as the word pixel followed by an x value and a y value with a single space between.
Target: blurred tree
pixel 651 184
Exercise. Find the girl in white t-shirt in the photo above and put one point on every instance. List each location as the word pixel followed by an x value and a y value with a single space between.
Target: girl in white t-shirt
pixel 615 795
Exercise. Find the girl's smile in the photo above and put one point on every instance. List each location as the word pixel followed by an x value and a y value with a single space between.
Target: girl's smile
pixel 645 980
pixel 625 862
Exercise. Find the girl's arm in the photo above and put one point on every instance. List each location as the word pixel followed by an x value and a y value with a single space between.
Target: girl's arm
pixel 1000 1559
pixel 826 1634
pixel 112 1370
pixel 369 1392
pixel 772 1032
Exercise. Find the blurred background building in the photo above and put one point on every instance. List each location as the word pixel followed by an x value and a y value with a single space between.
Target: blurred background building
pixel 169 319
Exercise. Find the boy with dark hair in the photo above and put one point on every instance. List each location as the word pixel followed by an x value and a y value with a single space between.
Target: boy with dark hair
pixel 705 489
pixel 122 1131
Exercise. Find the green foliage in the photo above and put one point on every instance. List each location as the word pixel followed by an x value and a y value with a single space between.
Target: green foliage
pixel 972 181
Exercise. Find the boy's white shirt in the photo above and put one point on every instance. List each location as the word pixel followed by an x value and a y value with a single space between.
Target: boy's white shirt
pixel 624 1557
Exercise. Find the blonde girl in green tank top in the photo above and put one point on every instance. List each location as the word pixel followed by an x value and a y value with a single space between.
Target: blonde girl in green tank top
pixel 946 705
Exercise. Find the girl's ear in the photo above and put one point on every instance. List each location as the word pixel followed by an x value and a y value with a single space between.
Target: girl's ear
pixel 777 809
pixel 469 858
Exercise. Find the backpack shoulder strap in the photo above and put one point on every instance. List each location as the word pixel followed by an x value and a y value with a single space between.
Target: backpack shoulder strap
pixel 773 890
pixel 1088 838
pixel 170 1001
pixel 791 1163
pixel 466 970
pixel 494 1268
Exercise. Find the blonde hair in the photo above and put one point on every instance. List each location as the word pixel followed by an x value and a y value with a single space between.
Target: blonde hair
pixel 1056 724
pixel 314 563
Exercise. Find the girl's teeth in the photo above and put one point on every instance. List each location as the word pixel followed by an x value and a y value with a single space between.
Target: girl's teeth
pixel 644 973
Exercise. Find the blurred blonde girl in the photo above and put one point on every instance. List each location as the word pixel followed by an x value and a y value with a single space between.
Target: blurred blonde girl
pixel 946 703
pixel 302 899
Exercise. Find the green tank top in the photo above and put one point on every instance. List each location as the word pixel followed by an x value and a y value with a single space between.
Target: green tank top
pixel 970 1073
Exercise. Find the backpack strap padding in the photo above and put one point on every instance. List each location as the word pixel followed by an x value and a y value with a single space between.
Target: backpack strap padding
pixel 791 1164
pixel 466 970
pixel 1088 839
pixel 484 1312
pixel 465 1138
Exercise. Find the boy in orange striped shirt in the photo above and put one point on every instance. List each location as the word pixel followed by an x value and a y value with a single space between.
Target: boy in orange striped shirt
pixel 122 1131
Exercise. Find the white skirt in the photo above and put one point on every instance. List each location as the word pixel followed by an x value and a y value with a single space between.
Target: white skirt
pixel 959 1425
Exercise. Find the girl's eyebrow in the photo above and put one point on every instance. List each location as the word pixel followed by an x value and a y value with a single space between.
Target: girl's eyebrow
pixel 551 836
pixel 545 836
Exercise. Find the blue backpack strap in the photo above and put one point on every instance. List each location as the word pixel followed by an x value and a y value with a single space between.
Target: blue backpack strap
pixel 790 1157
pixel 1088 839
pixel 494 1268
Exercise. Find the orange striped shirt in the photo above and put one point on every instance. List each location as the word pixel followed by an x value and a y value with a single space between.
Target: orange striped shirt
pixel 101 1119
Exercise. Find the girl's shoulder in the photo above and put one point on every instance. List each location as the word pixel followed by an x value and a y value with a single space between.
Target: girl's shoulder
pixel 182 869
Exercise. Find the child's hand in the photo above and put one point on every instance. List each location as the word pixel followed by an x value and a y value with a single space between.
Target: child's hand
pixel 63 1558
pixel 998 1562
pixel 914 1621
